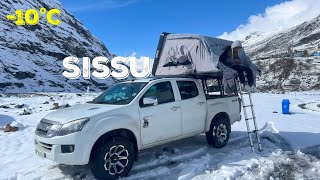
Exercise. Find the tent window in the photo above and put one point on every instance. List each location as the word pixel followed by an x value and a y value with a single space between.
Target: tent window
pixel 177 56
pixel 188 89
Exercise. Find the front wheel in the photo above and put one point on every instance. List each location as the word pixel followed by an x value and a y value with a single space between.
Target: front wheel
pixel 113 159
pixel 219 132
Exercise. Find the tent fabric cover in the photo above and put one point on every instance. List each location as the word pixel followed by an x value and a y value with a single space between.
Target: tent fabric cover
pixel 182 54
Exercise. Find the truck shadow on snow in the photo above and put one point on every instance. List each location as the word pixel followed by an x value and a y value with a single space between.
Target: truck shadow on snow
pixel 192 156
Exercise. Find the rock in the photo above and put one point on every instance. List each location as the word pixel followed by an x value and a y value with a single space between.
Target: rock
pixel 79 95
pixel 25 112
pixel 10 128
pixel 56 106
pixel 23 75
pixel 4 107
pixel 19 106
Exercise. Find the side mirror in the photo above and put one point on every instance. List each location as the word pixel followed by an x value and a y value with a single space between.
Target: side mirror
pixel 150 101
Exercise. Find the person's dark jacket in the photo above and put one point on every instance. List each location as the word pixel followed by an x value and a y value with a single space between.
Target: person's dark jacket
pixel 226 59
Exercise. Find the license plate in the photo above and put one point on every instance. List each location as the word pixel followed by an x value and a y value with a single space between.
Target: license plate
pixel 41 154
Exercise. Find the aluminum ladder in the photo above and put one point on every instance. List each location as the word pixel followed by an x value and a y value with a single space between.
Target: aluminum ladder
pixel 247 119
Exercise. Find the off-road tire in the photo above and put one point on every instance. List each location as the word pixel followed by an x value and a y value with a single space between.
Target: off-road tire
pixel 213 137
pixel 100 167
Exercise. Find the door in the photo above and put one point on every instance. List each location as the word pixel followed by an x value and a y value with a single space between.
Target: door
pixel 160 121
pixel 193 107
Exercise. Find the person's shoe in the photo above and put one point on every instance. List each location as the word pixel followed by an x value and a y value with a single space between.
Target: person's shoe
pixel 253 89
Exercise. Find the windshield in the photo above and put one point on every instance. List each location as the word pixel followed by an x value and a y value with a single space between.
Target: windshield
pixel 120 94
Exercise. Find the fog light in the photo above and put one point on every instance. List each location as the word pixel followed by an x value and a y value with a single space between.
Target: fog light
pixel 67 148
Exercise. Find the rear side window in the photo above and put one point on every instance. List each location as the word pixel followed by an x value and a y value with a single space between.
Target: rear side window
pixel 162 91
pixel 188 89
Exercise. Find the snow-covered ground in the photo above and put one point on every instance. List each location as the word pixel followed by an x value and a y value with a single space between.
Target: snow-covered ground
pixel 291 144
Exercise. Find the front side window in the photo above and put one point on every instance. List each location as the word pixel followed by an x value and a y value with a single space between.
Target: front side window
pixel 188 89
pixel 120 94
pixel 162 91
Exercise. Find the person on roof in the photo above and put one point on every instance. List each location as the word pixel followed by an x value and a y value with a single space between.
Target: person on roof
pixel 237 59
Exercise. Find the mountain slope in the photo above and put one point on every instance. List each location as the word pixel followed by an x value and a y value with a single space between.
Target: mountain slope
pixel 274 54
pixel 31 56
pixel 305 36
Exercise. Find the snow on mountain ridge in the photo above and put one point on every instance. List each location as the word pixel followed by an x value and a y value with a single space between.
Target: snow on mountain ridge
pixel 275 55
pixel 31 56
pixel 305 36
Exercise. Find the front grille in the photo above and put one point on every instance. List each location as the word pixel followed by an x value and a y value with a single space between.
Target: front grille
pixel 44 126
pixel 45 146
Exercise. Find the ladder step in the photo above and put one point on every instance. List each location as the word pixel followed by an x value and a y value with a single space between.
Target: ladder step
pixel 254 131
pixel 252 117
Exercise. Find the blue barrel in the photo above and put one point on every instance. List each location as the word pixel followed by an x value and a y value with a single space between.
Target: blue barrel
pixel 285 106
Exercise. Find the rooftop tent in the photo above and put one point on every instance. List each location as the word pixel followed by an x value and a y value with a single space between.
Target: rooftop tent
pixel 188 54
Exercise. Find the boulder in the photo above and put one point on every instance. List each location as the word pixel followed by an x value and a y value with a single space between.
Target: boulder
pixel 57 106
pixel 10 128
pixel 25 112
pixel 19 106
pixel 4 106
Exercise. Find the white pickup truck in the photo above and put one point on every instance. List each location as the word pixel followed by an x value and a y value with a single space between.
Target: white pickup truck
pixel 108 132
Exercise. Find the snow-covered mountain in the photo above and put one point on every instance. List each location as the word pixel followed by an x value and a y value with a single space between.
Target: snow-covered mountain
pixel 305 36
pixel 276 54
pixel 31 56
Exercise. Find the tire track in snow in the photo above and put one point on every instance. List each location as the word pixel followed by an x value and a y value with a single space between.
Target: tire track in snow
pixel 200 159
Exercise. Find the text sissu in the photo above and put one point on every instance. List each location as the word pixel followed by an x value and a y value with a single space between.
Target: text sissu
pixel 103 67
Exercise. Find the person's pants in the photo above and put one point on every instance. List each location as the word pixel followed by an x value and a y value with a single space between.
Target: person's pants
pixel 248 71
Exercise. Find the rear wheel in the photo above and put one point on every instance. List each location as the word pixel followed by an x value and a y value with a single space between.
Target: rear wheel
pixel 219 133
pixel 113 159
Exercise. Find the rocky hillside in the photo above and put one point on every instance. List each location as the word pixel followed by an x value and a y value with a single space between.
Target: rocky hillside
pixel 31 56
pixel 282 71
pixel 289 74
pixel 305 36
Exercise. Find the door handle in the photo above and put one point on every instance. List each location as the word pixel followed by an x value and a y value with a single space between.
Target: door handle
pixel 174 108
pixel 201 103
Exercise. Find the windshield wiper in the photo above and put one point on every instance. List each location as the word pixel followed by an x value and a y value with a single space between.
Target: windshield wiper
pixel 122 100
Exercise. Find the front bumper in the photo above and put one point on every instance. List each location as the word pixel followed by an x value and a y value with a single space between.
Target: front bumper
pixel 50 148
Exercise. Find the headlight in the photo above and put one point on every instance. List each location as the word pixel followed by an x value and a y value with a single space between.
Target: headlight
pixel 53 130
pixel 72 127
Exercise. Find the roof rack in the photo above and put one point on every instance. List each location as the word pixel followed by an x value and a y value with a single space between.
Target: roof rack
pixel 215 75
